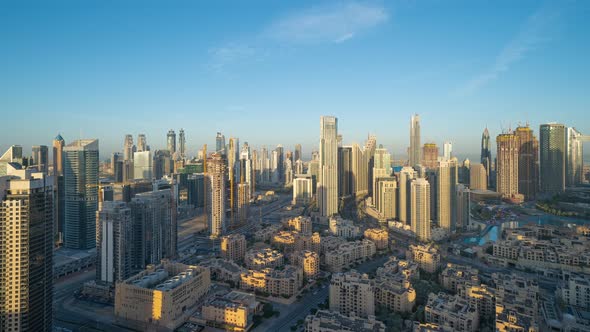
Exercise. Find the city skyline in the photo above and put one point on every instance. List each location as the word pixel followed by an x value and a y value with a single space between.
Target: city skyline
pixel 242 76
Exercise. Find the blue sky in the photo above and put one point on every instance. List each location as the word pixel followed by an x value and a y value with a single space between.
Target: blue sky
pixel 264 71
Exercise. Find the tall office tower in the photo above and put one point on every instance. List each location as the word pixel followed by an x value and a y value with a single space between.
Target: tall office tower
pixel 528 149
pixel 445 189
pixel 280 163
pixel 381 168
pixel 26 250
pixel 404 208
pixel 553 149
pixel 387 198
pixel 141 143
pixel 314 172
pixel 40 157
pixel 274 167
pixel 464 171
pixel 171 141
pixel 299 167
pixel 463 208
pixel 486 153
pixel 507 165
pixel 162 165
pixel 574 161
pixel 58 147
pixel 243 203
pixel 220 144
pixel 297 155
pixel 142 165
pixel 369 155
pixel 414 157
pixel 246 170
pixel 113 242
pixel 315 155
pixel 81 193
pixel 215 196
pixel 420 203
pixel 478 179
pixel 289 156
pixel 117 166
pixel 430 155
pixel 344 171
pixel 302 189
pixel 447 150
pixel 432 178
pixel 128 147
pixel 328 180
pixel 128 169
pixel 352 292
pixel 181 144
pixel 154 227
pixel 288 176
pixel 360 174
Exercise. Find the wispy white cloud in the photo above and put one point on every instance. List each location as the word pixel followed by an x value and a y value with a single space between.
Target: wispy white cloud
pixel 532 33
pixel 335 23
pixel 230 54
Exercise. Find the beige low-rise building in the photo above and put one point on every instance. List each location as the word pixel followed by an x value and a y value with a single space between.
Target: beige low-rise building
pixel 266 233
pixel 233 311
pixel 289 241
pixel 512 321
pixel 574 289
pixel 348 253
pixel 352 294
pixel 233 247
pixel 343 228
pixel 330 321
pixel 309 262
pixel 300 224
pixel 517 293
pixel 429 327
pixel 379 236
pixel 224 270
pixel 330 243
pixel 410 270
pixel 394 292
pixel 258 259
pixel 454 275
pixel 426 255
pixel 452 312
pixel 481 296
pixel 284 283
pixel 161 297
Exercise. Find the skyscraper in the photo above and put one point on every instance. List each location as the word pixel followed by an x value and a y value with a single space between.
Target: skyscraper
pixel 507 164
pixel 182 144
pixel 360 174
pixel 40 157
pixel 297 155
pixel 430 155
pixel 574 158
pixel 113 242
pixel 447 150
pixel 215 196
pixel 528 149
pixel 387 197
pixel 369 156
pixel 486 153
pixel 81 193
pixel 446 191
pixel 171 141
pixel 142 165
pixel 381 168
pixel 404 207
pixel 243 202
pixel 477 177
pixel 128 147
pixel 328 180
pixel 552 157
pixel 414 157
pixel 142 143
pixel 58 147
pixel 220 144
pixel 26 251
pixel 280 163
pixel 420 203
pixel 14 154
pixel 345 177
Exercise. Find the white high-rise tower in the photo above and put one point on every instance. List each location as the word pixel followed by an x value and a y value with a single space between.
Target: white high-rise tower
pixel 328 175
